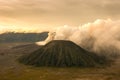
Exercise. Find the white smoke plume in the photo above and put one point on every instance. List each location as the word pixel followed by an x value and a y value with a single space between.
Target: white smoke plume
pixel 101 36
pixel 51 36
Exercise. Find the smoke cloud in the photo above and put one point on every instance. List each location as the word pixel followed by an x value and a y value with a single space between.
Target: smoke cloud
pixel 101 36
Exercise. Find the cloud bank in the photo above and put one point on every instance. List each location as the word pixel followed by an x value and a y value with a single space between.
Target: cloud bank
pixel 101 36
pixel 57 12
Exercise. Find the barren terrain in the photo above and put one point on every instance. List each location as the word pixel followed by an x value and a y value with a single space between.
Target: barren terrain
pixel 10 69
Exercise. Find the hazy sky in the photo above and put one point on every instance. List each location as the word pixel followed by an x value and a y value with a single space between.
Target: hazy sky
pixel 56 12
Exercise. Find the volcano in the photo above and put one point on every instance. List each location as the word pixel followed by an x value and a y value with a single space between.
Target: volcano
pixel 61 53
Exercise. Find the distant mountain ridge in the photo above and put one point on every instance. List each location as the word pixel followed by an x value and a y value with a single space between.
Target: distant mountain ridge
pixel 23 37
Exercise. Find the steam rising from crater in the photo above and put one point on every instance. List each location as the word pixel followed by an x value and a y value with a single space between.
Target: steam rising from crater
pixel 101 36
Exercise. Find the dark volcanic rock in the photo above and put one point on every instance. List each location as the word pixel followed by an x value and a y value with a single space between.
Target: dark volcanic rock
pixel 62 53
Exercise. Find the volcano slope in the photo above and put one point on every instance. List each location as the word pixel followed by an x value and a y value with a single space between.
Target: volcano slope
pixel 61 53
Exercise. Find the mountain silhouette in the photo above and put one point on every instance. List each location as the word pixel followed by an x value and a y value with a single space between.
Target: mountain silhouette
pixel 22 37
pixel 61 53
